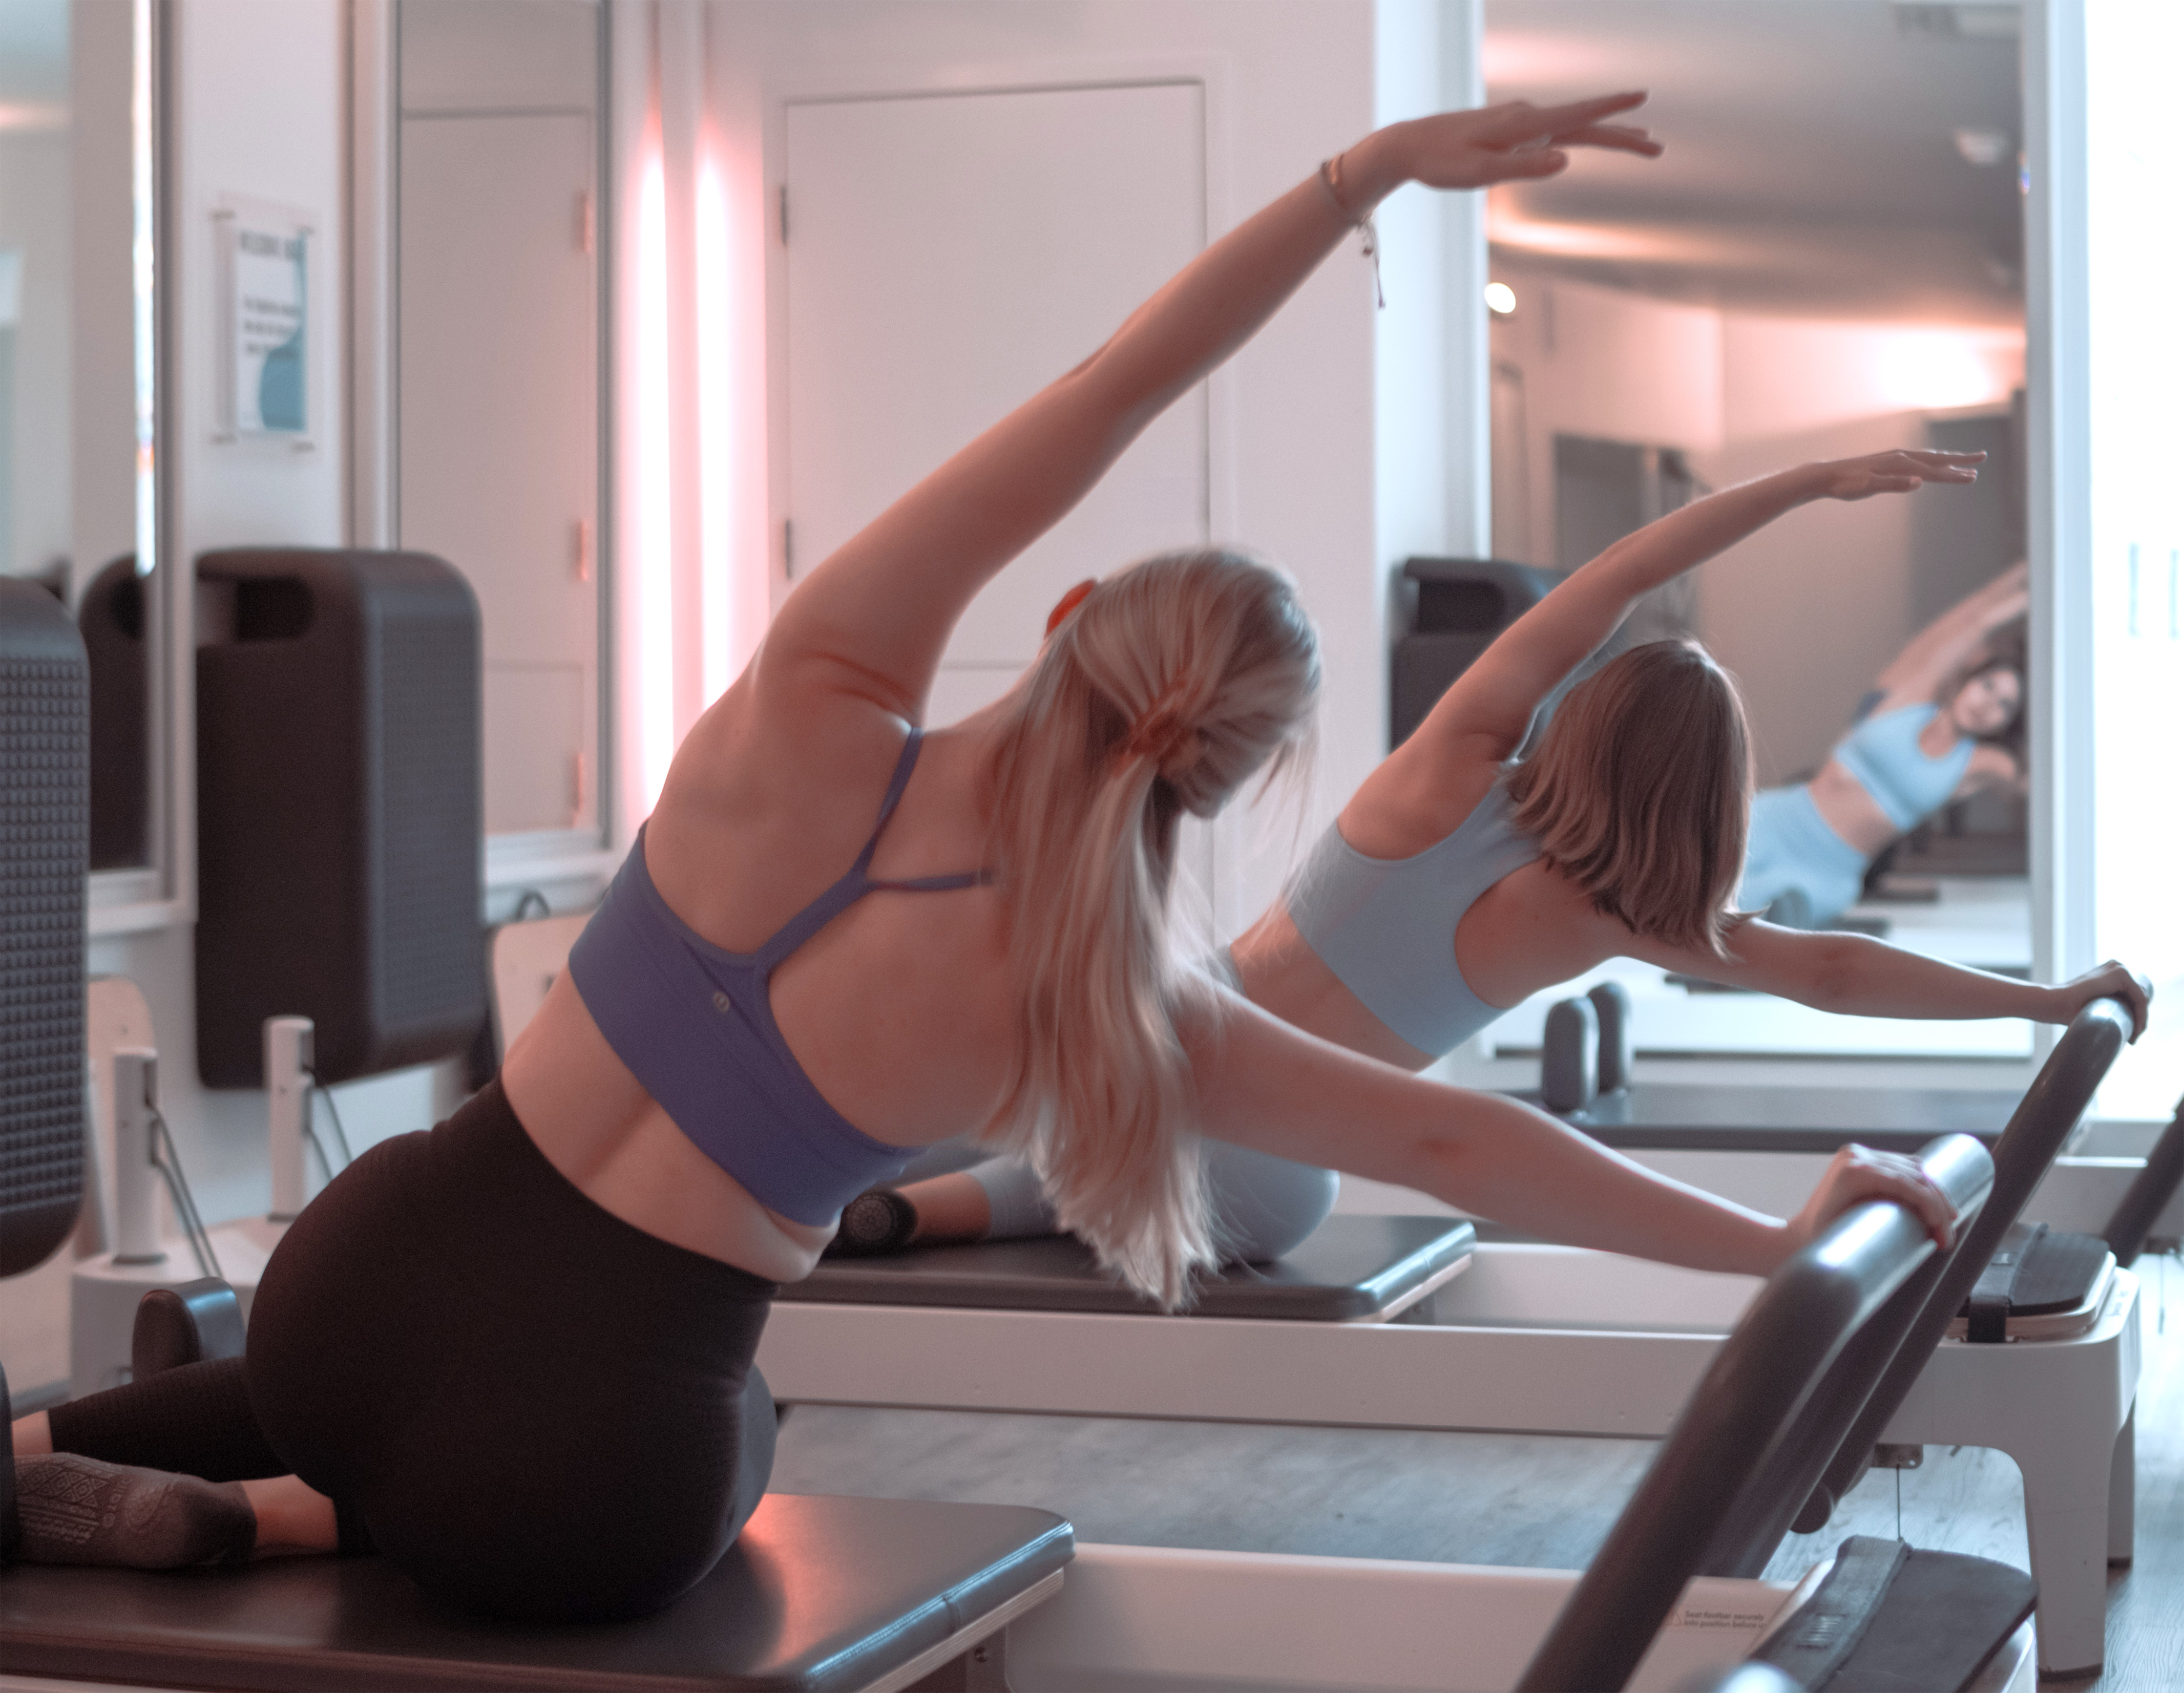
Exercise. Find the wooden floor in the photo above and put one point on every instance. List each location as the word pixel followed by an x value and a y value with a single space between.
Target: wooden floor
pixel 1492 1499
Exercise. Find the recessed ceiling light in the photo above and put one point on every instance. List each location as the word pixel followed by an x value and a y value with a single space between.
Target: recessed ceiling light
pixel 1983 146
pixel 1500 299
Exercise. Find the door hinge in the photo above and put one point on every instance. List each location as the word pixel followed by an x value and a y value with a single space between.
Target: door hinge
pixel 788 546
pixel 583 550
pixel 587 221
pixel 784 214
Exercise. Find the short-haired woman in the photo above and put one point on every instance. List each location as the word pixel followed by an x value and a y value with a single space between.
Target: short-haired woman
pixel 1455 885
pixel 515 1353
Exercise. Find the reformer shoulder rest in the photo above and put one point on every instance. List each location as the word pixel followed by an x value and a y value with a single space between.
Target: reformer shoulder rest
pixel 2040 1285
pixel 1351 1269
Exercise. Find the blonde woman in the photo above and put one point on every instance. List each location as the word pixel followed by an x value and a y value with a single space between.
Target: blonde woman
pixel 1455 885
pixel 515 1353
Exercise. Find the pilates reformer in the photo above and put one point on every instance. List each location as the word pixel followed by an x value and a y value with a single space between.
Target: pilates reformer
pixel 826 1593
pixel 1530 1338
pixel 1541 1339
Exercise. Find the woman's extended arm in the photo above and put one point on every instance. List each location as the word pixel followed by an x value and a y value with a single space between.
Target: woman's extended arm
pixel 1485 711
pixel 1948 643
pixel 1991 767
pixel 1262 1084
pixel 876 615
pixel 1859 977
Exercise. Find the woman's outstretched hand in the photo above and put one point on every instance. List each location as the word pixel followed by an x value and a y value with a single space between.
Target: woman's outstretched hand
pixel 1513 141
pixel 2109 980
pixel 1858 1173
pixel 1894 472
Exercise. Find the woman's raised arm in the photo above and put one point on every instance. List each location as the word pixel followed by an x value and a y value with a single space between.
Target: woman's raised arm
pixel 874 619
pixel 1947 643
pixel 1485 711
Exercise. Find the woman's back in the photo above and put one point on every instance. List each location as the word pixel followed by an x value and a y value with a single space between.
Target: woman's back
pixel 759 818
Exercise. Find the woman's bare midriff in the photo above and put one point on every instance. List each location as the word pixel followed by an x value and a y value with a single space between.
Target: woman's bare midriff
pixel 595 1123
pixel 1847 808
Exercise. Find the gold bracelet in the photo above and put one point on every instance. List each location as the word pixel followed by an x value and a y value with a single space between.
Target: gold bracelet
pixel 1330 178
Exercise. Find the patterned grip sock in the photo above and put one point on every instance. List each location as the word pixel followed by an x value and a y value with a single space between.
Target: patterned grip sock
pixel 76 1510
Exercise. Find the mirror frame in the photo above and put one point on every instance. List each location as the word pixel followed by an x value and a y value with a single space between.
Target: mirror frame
pixel 151 895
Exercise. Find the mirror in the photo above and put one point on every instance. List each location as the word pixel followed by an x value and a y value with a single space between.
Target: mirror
pixel 1827 262
pixel 76 511
pixel 500 334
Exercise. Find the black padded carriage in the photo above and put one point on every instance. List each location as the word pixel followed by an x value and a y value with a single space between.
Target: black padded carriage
pixel 1351 1269
pixel 819 1595
pixel 1657 1116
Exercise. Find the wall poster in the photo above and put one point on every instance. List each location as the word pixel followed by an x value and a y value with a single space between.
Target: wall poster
pixel 266 317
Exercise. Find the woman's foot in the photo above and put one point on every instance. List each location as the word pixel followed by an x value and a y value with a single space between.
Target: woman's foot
pixel 941 1210
pixel 878 1222
pixel 74 1510
pixel 184 1325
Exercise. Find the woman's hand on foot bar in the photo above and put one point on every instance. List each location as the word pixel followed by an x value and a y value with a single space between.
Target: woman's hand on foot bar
pixel 1858 1173
pixel 2109 980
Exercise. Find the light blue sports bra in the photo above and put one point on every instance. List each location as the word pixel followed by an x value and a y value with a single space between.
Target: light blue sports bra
pixel 1387 926
pixel 695 1023
pixel 1884 754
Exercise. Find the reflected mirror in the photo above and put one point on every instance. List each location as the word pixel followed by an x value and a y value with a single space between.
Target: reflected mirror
pixel 498 439
pixel 75 364
pixel 1827 262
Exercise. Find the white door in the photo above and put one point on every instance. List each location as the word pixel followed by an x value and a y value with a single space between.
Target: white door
pixel 499 438
pixel 947 257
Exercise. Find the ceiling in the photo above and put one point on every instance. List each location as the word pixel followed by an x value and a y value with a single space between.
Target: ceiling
pixel 1815 166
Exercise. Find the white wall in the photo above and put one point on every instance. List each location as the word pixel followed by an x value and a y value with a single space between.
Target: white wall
pixel 1294 416
pixel 1608 363
pixel 1806 612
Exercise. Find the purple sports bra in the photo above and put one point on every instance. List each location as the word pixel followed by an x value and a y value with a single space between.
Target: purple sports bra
pixel 696 1024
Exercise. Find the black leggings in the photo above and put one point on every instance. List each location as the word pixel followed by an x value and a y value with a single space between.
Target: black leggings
pixel 534 1408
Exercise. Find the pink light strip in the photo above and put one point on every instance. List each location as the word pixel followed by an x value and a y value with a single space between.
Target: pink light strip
pixel 715 429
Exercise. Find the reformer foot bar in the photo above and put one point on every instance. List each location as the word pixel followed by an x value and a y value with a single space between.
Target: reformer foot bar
pixel 804 1600
pixel 1765 1146
pixel 1542 1339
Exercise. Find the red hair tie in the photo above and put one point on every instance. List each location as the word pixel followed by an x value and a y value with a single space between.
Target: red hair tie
pixel 1068 602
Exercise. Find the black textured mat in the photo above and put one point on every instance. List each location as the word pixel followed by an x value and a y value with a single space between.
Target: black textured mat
pixel 1810 1646
pixel 820 1594
pixel 1945 1617
pixel 1350 1268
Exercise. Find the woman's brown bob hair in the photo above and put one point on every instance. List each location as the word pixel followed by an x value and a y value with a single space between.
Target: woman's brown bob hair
pixel 1641 790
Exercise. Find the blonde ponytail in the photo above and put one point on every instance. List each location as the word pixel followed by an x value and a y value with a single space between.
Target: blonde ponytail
pixel 1164 690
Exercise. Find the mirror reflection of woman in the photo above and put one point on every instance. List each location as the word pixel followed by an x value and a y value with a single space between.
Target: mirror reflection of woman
pixel 1936 728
